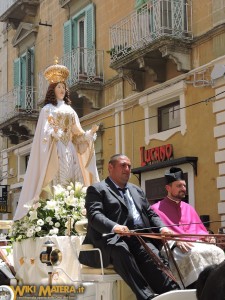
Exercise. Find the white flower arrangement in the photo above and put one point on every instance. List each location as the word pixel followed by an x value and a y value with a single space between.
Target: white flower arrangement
pixel 56 216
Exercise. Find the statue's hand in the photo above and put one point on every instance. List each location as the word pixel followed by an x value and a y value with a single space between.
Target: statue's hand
pixel 94 128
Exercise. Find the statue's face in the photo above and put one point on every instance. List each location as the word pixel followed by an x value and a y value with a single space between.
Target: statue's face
pixel 60 91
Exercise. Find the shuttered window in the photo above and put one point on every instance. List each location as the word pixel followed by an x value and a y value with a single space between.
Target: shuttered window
pixel 80 30
pixel 67 36
pixel 79 39
pixel 23 77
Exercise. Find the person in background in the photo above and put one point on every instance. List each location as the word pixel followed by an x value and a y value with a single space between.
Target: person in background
pixel 181 217
pixel 114 207
pixel 61 150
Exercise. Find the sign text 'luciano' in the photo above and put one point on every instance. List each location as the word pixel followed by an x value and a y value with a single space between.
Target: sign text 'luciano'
pixel 156 154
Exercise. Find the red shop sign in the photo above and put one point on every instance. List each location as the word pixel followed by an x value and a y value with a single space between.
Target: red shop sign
pixel 157 154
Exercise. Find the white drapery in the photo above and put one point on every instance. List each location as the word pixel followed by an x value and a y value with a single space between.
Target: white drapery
pixel 31 271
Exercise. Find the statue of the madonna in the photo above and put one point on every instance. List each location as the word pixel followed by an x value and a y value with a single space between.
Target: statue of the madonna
pixel 61 150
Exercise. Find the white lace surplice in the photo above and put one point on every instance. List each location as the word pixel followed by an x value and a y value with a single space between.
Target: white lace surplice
pixel 192 263
pixel 61 151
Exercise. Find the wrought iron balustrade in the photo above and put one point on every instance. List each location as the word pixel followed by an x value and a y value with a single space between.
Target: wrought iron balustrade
pixel 19 100
pixel 153 20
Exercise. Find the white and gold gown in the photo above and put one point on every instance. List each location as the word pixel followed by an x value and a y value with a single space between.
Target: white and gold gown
pixel 61 152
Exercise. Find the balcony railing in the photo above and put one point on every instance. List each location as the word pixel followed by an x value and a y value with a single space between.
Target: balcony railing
pixel 5 5
pixel 153 20
pixel 85 66
pixel 19 100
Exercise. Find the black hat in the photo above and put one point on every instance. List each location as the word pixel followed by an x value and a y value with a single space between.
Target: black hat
pixel 174 174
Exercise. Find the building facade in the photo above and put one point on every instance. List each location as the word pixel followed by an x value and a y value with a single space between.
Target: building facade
pixel 151 73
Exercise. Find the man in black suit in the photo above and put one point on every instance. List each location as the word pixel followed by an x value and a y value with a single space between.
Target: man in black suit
pixel 115 206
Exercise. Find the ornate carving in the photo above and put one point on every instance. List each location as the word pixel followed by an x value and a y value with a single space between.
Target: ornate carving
pixel 134 77
pixel 180 55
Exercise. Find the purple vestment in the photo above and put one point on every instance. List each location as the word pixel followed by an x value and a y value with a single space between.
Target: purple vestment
pixel 183 215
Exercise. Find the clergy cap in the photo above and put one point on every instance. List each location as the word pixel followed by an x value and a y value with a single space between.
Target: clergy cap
pixel 174 174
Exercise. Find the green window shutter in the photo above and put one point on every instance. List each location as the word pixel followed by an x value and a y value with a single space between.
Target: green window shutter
pixel 139 3
pixel 23 71
pixel 16 72
pixel 23 74
pixel 29 67
pixel 74 34
pixel 67 37
pixel 90 26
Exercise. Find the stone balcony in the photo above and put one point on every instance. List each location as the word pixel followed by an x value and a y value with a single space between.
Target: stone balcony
pixel 14 11
pixel 18 113
pixel 145 39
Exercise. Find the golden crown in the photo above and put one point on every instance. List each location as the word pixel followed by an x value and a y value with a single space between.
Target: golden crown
pixel 56 73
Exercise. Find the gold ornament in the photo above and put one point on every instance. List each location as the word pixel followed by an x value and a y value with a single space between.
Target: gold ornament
pixel 56 73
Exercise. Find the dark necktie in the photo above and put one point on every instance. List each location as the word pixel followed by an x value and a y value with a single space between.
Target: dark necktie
pixel 126 200
pixel 128 204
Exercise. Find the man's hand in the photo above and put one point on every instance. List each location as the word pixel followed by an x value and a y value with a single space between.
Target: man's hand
pixel 121 229
pixel 184 246
pixel 166 230
pixel 210 239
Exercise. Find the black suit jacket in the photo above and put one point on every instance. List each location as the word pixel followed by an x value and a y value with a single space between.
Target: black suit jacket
pixel 105 209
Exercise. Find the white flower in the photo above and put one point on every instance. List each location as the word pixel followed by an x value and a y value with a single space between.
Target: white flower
pixel 38 228
pixel 67 193
pixel 54 231
pixel 58 189
pixel 84 190
pixel 40 222
pixel 48 219
pixel 69 188
pixel 82 202
pixel 33 215
pixel 57 224
pixel 51 204
pixel 72 201
pixel 30 232
pixel 78 186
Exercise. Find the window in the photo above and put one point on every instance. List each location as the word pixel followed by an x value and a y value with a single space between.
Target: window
pixel 79 41
pixel 23 79
pixel 81 45
pixel 169 116
pixel 163 116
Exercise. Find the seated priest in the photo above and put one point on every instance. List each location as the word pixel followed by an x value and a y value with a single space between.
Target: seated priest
pixel 190 257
